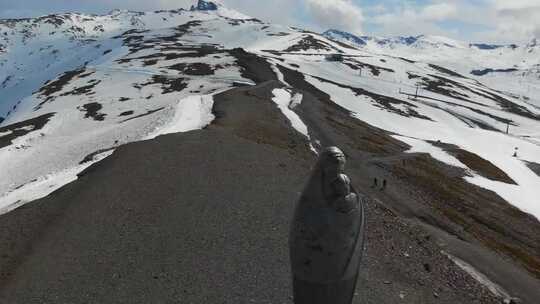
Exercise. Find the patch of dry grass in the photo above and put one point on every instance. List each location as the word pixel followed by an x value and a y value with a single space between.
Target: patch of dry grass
pixel 482 213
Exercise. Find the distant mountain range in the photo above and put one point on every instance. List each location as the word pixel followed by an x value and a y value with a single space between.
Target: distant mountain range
pixel 512 68
pixel 420 41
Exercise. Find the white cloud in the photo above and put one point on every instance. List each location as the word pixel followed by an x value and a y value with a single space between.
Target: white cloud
pixel 499 21
pixel 516 20
pixel 275 11
pixel 515 4
pixel 340 14
pixel 407 19
pixel 439 11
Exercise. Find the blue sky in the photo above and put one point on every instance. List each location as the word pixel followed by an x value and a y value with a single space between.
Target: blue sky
pixel 499 21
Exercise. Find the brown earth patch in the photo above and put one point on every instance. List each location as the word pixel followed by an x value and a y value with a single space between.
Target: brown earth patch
pixel 357 65
pixel 311 43
pixel 476 163
pixel 87 89
pixel 255 118
pixel 252 66
pixel 473 210
pixel 446 71
pixel 22 128
pixel 535 167
pixel 92 111
pixel 52 87
pixel 126 113
pixel 168 84
pixel 142 115
pixel 194 69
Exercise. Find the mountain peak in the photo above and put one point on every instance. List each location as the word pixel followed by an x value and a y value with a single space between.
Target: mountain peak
pixel 203 5
pixel 341 35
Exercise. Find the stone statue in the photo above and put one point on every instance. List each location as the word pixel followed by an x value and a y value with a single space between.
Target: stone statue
pixel 327 235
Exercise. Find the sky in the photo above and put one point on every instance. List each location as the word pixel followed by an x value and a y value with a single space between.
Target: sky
pixel 490 21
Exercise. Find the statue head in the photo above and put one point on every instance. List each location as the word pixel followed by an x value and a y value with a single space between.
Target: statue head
pixel 332 161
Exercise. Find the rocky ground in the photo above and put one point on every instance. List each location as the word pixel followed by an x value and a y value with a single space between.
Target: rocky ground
pixel 468 222
pixel 203 216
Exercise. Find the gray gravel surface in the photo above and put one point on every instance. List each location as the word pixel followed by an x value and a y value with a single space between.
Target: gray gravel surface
pixel 193 218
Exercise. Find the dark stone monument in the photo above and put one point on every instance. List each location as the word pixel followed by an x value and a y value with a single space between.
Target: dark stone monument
pixel 327 235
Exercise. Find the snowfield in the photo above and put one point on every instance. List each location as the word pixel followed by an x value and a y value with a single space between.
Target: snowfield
pixel 191 113
pixel 44 185
pixel 109 80
pixel 286 103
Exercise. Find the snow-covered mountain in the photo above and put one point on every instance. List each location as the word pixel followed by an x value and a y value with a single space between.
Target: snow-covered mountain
pixel 74 87
pixel 511 68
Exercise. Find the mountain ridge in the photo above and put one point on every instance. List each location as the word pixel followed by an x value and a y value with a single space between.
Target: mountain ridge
pixel 110 47
pixel 511 68
pixel 409 40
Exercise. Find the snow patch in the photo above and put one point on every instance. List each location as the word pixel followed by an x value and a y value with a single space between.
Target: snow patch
pixel 279 75
pixel 421 146
pixel 44 185
pixel 521 196
pixel 5 133
pixel 495 147
pixel 285 102
pixel 296 100
pixel 192 113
